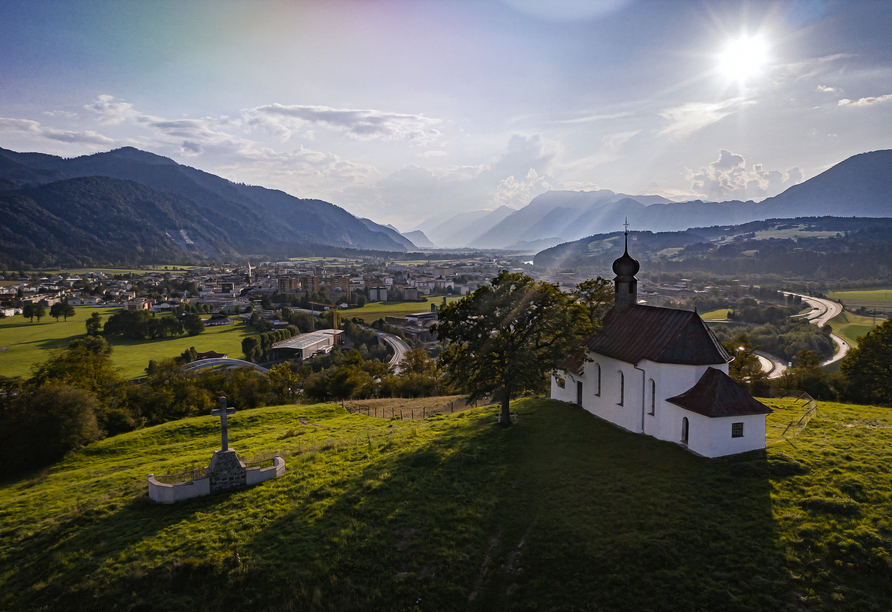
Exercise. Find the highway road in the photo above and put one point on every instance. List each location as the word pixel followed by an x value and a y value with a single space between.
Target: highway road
pixel 821 314
pixel 400 348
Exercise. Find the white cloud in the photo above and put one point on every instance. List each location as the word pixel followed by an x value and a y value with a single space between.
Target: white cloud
pixel 688 118
pixel 436 153
pixel 26 126
pixel 515 193
pixel 728 178
pixel 111 112
pixel 283 120
pixel 826 88
pixel 414 193
pixel 66 114
pixel 866 101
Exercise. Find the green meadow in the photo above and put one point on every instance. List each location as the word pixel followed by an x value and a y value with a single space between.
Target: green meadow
pixel 850 326
pixel 372 311
pixel 562 511
pixel 721 313
pixel 28 343
pixel 876 298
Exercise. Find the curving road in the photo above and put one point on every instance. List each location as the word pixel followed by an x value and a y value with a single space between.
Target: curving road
pixel 400 348
pixel 821 314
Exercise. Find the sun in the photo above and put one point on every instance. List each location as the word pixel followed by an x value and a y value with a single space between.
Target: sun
pixel 743 58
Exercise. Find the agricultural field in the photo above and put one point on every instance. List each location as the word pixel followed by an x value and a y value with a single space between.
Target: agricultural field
pixel 372 311
pixel 873 299
pixel 560 511
pixel 721 313
pixel 28 343
pixel 850 326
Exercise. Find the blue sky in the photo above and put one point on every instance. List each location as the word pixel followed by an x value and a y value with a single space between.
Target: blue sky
pixel 402 110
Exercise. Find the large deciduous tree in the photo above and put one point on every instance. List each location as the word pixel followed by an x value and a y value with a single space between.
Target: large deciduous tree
pixel 868 368
pixel 596 294
pixel 509 335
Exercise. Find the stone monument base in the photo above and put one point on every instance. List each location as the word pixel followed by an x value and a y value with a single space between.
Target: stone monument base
pixel 225 471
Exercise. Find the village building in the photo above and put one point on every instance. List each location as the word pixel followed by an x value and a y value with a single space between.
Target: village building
pixel 662 372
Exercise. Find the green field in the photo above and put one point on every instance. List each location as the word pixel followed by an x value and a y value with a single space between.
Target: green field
pixel 373 311
pixel 721 313
pixel 28 343
pixel 850 326
pixel 561 512
pixel 876 298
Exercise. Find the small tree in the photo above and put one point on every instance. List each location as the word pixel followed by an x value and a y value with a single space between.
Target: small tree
pixel 28 311
pixel 509 335
pixel 193 324
pixel 56 310
pixel 94 324
pixel 39 312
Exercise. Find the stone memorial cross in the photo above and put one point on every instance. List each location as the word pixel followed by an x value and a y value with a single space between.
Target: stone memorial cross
pixel 222 412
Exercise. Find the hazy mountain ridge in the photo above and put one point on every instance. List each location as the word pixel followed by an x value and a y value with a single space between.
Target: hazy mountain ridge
pixel 257 220
pixel 418 238
pixel 812 247
pixel 860 186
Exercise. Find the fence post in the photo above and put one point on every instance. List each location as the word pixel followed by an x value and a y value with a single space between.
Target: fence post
pixel 413 414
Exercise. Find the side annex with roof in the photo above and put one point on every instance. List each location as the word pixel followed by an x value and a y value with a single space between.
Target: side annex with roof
pixel 662 372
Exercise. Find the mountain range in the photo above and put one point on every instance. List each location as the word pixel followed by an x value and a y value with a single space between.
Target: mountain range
pixel 860 186
pixel 160 210
pixel 128 206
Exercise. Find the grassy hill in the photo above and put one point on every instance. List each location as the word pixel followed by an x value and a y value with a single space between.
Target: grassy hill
pixel 562 511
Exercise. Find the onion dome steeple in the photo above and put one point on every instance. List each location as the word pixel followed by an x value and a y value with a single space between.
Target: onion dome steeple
pixel 625 283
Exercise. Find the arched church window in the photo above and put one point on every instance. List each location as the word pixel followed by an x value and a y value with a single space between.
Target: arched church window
pixel 622 387
pixel 684 430
pixel 653 397
pixel 598 379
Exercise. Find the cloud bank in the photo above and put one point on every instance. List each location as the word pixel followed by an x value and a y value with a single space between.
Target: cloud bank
pixel 728 178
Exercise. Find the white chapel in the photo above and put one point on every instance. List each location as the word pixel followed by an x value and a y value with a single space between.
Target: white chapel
pixel 663 373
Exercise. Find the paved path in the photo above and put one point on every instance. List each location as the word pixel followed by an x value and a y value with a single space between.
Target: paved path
pixel 821 313
pixel 400 348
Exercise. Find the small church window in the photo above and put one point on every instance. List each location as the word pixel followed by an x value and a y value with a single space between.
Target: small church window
pixel 598 379
pixel 736 430
pixel 684 430
pixel 653 397
pixel 560 382
pixel 622 387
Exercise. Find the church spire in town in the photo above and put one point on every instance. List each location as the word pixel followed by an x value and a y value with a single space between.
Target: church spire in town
pixel 625 283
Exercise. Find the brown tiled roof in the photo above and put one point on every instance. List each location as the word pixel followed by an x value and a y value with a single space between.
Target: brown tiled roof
pixel 658 334
pixel 716 395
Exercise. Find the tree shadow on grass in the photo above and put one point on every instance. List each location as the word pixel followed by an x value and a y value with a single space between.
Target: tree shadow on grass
pixel 561 511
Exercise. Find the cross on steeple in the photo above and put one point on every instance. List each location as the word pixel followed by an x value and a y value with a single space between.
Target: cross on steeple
pixel 223 412
pixel 626 225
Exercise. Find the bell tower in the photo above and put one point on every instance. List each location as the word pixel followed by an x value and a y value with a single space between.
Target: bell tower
pixel 625 283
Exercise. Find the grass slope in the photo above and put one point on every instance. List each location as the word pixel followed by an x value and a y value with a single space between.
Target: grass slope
pixel 850 326
pixel 562 511
pixel 28 343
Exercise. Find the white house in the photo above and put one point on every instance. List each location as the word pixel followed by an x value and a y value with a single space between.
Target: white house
pixel 663 373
